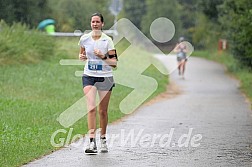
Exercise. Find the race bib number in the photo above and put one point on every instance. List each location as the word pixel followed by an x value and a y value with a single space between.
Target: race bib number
pixel 95 65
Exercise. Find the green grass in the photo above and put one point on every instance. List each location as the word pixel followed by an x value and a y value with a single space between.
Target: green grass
pixel 19 45
pixel 33 95
pixel 242 73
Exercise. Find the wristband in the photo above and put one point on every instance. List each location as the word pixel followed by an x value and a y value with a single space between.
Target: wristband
pixel 104 58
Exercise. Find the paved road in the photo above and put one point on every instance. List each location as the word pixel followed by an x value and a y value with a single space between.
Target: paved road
pixel 209 123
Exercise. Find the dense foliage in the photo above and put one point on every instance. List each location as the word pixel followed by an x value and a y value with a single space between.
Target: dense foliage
pixel 169 9
pixel 25 11
pixel 73 15
pixel 202 22
pixel 236 19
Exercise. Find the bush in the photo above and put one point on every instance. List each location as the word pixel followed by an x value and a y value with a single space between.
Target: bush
pixel 205 33
pixel 19 45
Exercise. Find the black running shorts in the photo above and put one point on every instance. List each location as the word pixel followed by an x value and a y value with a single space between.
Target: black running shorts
pixel 101 83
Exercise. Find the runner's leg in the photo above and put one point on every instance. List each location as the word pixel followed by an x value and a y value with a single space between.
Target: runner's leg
pixel 179 67
pixel 90 93
pixel 103 110
pixel 184 66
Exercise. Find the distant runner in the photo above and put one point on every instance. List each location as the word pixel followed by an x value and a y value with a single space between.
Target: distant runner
pixel 181 50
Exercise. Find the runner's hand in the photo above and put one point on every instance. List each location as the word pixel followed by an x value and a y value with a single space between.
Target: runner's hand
pixel 98 53
pixel 82 57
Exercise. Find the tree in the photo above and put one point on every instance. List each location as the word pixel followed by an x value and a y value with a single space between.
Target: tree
pixel 200 20
pixel 210 8
pixel 188 16
pixel 7 10
pixel 24 11
pixel 134 11
pixel 236 19
pixel 164 8
pixel 204 33
pixel 72 15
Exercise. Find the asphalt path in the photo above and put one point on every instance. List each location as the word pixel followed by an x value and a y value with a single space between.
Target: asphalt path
pixel 202 120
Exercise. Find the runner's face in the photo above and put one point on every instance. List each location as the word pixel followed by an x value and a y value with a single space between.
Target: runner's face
pixel 96 23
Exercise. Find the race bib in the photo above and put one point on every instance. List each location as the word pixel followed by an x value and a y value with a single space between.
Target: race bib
pixel 95 65
pixel 181 54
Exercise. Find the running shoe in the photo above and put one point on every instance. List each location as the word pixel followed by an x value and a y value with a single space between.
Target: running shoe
pixel 104 147
pixel 91 148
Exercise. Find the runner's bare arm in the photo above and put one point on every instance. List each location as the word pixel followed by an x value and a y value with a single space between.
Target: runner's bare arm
pixel 176 49
pixel 82 54
pixel 110 58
